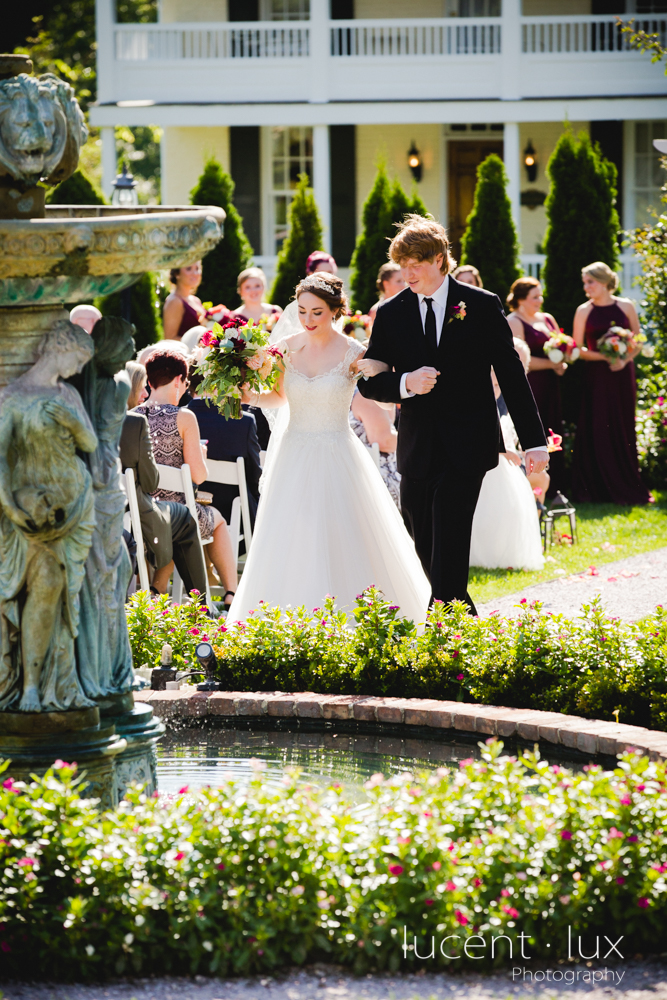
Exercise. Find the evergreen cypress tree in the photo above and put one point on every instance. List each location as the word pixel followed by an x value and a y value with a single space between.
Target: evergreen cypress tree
pixel 76 190
pixel 233 253
pixel 399 207
pixel 417 206
pixel 582 219
pixel 370 253
pixel 144 311
pixel 304 236
pixel 490 240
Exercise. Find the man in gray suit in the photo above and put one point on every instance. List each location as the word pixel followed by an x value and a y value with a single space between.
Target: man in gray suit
pixel 169 530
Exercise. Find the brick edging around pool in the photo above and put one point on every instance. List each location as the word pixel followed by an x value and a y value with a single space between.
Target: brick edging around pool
pixel 587 735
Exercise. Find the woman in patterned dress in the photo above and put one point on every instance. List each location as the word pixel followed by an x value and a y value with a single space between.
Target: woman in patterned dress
pixel 175 437
pixel 374 423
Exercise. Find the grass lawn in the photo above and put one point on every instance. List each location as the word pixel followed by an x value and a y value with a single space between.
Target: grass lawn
pixel 606 533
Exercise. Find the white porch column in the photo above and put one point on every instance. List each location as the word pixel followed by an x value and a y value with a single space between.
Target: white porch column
pixel 109 169
pixel 106 41
pixel 320 51
pixel 322 179
pixel 511 49
pixel 512 158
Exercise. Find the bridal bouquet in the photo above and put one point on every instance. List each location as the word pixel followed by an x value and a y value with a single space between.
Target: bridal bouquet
pixel 560 347
pixel 615 343
pixel 238 354
pixel 357 325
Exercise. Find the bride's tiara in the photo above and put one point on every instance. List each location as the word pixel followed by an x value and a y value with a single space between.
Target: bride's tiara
pixel 313 281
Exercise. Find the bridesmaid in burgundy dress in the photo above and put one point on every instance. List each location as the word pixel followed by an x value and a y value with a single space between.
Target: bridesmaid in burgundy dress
pixel 535 327
pixel 182 309
pixel 605 449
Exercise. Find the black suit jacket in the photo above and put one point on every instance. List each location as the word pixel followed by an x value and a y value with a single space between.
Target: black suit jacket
pixel 227 441
pixel 455 425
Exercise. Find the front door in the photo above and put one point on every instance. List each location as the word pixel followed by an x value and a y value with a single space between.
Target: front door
pixel 465 155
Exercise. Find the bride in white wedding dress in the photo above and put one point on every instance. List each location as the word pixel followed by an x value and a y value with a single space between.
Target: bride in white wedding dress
pixel 326 523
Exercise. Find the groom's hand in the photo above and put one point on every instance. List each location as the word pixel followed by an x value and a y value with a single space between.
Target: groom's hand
pixel 422 380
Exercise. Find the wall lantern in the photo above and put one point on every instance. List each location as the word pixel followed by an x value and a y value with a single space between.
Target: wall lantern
pixel 124 190
pixel 415 162
pixel 530 162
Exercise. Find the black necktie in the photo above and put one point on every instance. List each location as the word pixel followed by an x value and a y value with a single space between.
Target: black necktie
pixel 429 326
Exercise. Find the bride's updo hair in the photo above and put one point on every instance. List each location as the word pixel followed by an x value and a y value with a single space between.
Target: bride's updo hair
pixel 328 287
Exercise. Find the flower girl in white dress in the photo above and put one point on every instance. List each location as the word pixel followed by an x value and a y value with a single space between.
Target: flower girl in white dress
pixel 326 523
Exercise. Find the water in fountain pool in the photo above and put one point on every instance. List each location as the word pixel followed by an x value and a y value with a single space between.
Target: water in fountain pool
pixel 207 756
pixel 198 757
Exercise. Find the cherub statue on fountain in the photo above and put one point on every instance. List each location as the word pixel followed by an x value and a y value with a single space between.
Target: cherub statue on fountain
pixel 47 520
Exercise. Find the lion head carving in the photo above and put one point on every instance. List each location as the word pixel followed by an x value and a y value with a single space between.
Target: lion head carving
pixel 41 129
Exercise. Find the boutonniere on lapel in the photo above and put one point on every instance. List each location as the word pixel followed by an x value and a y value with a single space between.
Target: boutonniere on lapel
pixel 457 312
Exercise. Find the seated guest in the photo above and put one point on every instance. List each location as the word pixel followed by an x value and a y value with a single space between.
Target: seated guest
pixel 321 261
pixel 389 283
pixel 138 391
pixel 372 424
pixel 191 339
pixel 175 435
pixel 85 316
pixel 228 440
pixel 469 275
pixel 251 286
pixel 168 528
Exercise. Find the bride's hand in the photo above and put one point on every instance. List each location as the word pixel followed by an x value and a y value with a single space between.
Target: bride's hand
pixel 369 367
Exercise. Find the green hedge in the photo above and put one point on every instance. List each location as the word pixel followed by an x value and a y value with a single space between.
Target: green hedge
pixel 245 879
pixel 591 666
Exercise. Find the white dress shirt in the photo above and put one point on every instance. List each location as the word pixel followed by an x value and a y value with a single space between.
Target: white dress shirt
pixel 439 300
pixel 439 303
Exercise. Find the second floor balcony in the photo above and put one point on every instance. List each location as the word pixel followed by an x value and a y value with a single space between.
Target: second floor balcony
pixel 373 60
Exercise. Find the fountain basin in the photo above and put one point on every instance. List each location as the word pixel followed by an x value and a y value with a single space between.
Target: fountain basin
pixel 80 251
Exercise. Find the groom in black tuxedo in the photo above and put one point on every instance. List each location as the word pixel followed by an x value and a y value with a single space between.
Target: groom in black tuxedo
pixel 440 338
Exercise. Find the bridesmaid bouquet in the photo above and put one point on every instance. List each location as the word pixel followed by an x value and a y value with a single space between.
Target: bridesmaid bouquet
pixel 560 347
pixel 215 314
pixel 238 354
pixel 615 343
pixel 357 325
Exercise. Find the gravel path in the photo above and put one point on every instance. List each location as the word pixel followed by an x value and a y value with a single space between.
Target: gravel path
pixel 630 589
pixel 638 981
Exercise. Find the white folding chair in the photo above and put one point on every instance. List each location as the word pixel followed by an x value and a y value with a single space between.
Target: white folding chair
pixel 180 481
pixel 128 484
pixel 375 452
pixel 233 474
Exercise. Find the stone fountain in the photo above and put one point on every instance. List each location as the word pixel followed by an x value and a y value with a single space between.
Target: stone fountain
pixel 65 660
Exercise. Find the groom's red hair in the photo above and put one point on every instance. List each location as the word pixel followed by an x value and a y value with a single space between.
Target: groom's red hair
pixel 421 238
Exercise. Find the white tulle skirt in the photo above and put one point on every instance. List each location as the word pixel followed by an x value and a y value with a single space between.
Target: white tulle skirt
pixel 326 524
pixel 506 529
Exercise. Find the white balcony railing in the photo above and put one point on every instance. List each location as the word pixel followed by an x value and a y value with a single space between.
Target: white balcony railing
pixel 583 34
pixel 250 40
pixel 437 37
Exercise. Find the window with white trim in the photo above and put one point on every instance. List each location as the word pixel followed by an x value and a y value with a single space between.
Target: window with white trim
pixel 649 175
pixel 291 155
pixel 285 10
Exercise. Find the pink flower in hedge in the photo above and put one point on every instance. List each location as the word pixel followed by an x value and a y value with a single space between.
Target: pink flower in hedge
pixel 620 880
pixel 393 607
pixel 437 865
pixel 8 785
pixel 179 856
pixel 4 946
pixel 523 601
pixel 643 903
pixel 450 887
pixel 566 835
pixel 626 800
pixel 396 869
pixel 220 868
pixel 459 677
pixel 428 815
pixel 505 892
pixel 23 862
pixel 633 838
pixel 511 912
pixel 640 788
pixel 477 882
pixel 615 834
pixel 455 653
pixel 429 902
pixel 460 918
pixel 194 631
pixel 403 840
pixel 183 790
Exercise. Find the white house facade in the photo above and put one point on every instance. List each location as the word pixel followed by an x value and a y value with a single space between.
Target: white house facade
pixel 276 87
